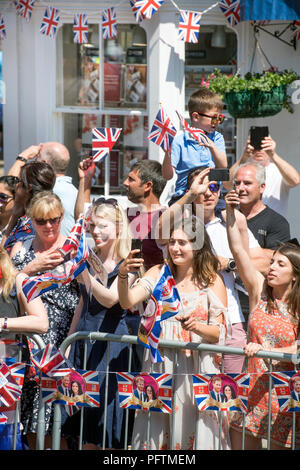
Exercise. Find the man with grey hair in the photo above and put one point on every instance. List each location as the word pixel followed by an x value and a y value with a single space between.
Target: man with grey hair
pixel 57 155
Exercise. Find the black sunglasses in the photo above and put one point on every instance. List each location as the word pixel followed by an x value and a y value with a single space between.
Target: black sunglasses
pixel 5 197
pixel 102 200
pixel 54 221
pixel 214 187
pixel 216 119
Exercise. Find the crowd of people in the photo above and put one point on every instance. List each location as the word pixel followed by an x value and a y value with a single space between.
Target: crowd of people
pixel 235 266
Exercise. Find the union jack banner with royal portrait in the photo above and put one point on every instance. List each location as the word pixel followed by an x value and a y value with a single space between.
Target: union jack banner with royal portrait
pixel 221 392
pixel 287 387
pixel 155 394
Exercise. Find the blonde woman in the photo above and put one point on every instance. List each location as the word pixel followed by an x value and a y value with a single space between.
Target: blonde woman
pixel 109 228
pixel 16 316
pixel 35 256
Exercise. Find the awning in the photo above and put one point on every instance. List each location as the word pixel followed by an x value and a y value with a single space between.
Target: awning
pixel 288 10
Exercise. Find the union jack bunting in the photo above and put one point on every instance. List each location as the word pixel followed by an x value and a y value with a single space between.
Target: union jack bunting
pixel 189 26
pixel 234 400
pixel 10 391
pixel 109 23
pixel 51 362
pixel 139 17
pixel 80 28
pixel 147 8
pixel 163 304
pixel 163 131
pixel 197 134
pixel 2 28
pixel 50 22
pixel 103 140
pixel 283 384
pixel 88 395
pixel 24 8
pixel 63 274
pixel 296 32
pixel 161 399
pixel 231 10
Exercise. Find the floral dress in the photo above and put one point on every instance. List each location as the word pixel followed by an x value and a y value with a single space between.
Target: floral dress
pixel 60 304
pixel 276 329
pixel 204 305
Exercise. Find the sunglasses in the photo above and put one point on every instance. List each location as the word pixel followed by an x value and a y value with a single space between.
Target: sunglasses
pixel 5 197
pixel 102 200
pixel 214 187
pixel 54 221
pixel 216 119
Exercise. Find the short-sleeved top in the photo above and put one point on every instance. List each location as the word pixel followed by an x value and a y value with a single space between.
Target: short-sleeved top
pixel 269 228
pixel 188 154
pixel 67 192
pixel 276 192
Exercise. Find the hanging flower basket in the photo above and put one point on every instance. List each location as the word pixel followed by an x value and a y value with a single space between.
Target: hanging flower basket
pixel 254 95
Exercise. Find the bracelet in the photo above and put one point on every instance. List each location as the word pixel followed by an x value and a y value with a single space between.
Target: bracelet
pixel 22 159
pixel 122 276
pixel 4 326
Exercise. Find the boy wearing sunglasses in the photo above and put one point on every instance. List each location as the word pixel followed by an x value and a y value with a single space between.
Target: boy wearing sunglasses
pixel 187 153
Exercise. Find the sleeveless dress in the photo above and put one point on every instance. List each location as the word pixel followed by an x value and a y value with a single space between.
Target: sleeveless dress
pixel 60 304
pixel 206 306
pixel 276 329
pixel 96 317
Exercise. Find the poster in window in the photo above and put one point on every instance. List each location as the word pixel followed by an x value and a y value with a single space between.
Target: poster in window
pixel 112 84
pixel 89 90
pixel 136 84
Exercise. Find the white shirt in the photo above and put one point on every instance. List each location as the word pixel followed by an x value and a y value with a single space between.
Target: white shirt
pixel 216 230
pixel 276 193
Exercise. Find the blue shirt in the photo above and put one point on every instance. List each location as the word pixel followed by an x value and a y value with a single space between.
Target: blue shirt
pixel 188 154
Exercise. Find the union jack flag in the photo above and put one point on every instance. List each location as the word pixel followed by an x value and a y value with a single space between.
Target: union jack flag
pixel 51 362
pixel 163 131
pixel 103 140
pixel 296 32
pixel 50 22
pixel 139 17
pixel 2 28
pixel 80 28
pixel 17 370
pixel 147 8
pixel 3 418
pixel 161 385
pixel 163 304
pixel 63 274
pixel 189 26
pixel 197 134
pixel 231 10
pixel 283 384
pixel 239 383
pixel 109 23
pixel 24 8
pixel 10 391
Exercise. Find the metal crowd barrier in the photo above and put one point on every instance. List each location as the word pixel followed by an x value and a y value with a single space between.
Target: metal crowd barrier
pixel 132 340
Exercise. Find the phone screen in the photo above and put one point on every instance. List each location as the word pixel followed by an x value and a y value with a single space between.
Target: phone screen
pixel 219 174
pixel 136 244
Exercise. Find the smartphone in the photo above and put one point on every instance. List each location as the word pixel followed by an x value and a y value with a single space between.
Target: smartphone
pixel 219 174
pixel 136 244
pixel 257 134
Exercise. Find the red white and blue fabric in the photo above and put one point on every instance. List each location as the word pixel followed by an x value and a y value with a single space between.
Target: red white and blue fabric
pixel 197 134
pixel 51 362
pixel 50 22
pixel 147 8
pixel 296 32
pixel 24 8
pixel 17 370
pixel 139 17
pixel 202 393
pixel 10 391
pixel 80 28
pixel 164 397
pixel 103 140
pixel 164 303
pixel 282 384
pixel 2 28
pixel 63 274
pixel 189 26
pixel 109 23
pixel 231 10
pixel 3 418
pixel 163 130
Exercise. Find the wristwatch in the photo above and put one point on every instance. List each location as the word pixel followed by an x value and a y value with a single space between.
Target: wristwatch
pixel 231 266
pixel 21 158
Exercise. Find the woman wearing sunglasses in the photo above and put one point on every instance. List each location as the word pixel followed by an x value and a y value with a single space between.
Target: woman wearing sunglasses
pixel 35 256
pixel 7 195
pixel 102 312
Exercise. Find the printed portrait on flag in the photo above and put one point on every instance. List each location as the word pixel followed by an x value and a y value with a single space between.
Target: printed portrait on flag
pixel 287 386
pixel 221 392
pixel 136 84
pixel 145 391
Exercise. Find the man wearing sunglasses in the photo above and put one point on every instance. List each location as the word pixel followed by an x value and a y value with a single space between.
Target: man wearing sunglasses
pixel 187 153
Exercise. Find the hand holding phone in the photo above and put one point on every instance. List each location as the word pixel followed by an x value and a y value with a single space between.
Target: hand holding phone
pixel 136 244
pixel 257 134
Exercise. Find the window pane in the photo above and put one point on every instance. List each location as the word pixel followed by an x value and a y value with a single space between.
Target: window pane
pixel 131 146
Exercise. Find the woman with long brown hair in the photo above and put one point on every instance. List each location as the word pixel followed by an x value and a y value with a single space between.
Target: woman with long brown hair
pixel 201 318
pixel 273 325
